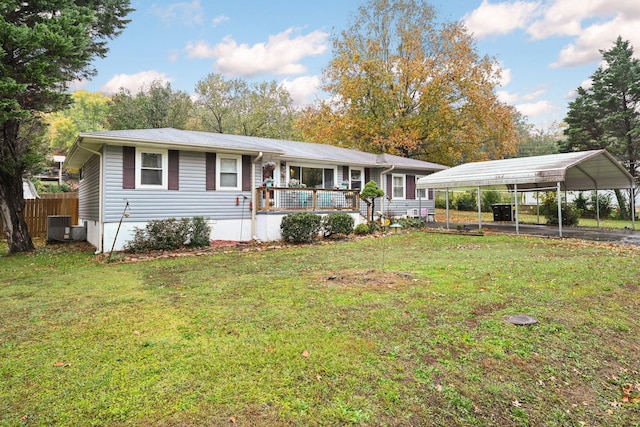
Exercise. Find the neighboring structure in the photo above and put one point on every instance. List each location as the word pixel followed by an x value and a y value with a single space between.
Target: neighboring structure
pixel 29 191
pixel 243 185
pixel 53 172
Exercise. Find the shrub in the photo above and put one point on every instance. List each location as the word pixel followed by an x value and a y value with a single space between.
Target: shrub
pixel 549 208
pixel 361 229
pixel 170 234
pixel 490 197
pixel 407 223
pixel 466 202
pixel 337 223
pixel 300 227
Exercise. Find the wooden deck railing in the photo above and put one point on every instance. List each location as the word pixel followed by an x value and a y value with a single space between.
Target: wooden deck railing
pixel 306 199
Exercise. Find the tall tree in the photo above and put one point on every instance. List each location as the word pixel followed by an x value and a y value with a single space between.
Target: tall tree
pixel 154 106
pixel 405 83
pixel 234 106
pixel 87 113
pixel 537 142
pixel 607 114
pixel 44 45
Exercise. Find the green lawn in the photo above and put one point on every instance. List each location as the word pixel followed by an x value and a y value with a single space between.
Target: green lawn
pixel 403 330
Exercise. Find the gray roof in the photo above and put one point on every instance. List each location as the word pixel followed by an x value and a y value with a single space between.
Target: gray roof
pixel 185 139
pixel 585 170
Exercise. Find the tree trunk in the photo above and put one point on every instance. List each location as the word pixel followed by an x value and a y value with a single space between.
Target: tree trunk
pixel 11 192
pixel 622 205
pixel 12 213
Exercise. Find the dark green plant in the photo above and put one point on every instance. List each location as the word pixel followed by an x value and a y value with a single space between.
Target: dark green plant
pixel 466 201
pixel 549 208
pixel 369 194
pixel 490 197
pixel 170 234
pixel 407 223
pixel 337 223
pixel 361 229
pixel 301 227
pixel 582 204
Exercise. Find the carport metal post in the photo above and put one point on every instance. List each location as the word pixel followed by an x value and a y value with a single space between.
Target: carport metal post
pixel 559 210
pixel 597 209
pixel 479 209
pixel 515 194
pixel 446 196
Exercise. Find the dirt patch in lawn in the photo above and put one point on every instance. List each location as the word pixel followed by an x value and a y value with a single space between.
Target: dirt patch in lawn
pixel 368 279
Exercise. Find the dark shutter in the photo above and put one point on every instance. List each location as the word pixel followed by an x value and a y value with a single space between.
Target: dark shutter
pixel 128 168
pixel 345 174
pixel 246 173
pixel 430 194
pixel 411 187
pixel 367 176
pixel 210 171
pixel 389 187
pixel 174 170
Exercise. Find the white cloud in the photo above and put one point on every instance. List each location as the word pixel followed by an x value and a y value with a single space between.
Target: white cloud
pixel 184 13
pixel 501 17
pixel 219 20
pixel 537 109
pixel 600 36
pixel 133 82
pixel 279 55
pixel 303 90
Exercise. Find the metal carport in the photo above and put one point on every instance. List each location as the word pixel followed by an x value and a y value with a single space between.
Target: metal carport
pixel 577 171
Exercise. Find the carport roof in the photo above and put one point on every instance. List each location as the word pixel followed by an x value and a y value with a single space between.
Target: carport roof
pixel 584 170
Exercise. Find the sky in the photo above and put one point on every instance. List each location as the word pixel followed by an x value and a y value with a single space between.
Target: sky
pixel 546 48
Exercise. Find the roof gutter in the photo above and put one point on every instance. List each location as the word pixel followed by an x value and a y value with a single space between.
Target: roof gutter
pixel 254 204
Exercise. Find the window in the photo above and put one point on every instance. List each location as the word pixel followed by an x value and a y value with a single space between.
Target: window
pixel 421 193
pixel 152 170
pixel 398 184
pixel 356 176
pixel 229 172
pixel 312 177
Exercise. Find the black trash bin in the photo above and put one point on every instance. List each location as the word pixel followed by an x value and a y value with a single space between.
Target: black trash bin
pixel 497 212
pixel 502 212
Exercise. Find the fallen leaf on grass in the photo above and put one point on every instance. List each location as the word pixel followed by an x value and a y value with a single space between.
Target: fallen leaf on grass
pixel 61 365
pixel 232 420
pixel 631 393
pixel 305 353
pixel 517 403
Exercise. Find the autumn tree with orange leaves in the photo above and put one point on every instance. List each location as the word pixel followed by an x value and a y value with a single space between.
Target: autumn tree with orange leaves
pixel 405 83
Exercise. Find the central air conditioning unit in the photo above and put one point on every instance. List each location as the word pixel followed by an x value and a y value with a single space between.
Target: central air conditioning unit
pixel 58 228
pixel 413 213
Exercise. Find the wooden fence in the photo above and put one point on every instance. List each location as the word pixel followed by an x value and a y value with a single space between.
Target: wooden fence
pixel 37 210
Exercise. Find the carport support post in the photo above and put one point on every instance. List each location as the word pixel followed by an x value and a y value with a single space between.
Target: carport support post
pixel 515 193
pixel 446 197
pixel 559 210
pixel 597 209
pixel 479 209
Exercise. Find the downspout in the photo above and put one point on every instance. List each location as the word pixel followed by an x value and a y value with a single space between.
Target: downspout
pixel 383 173
pixel 254 204
pixel 100 202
